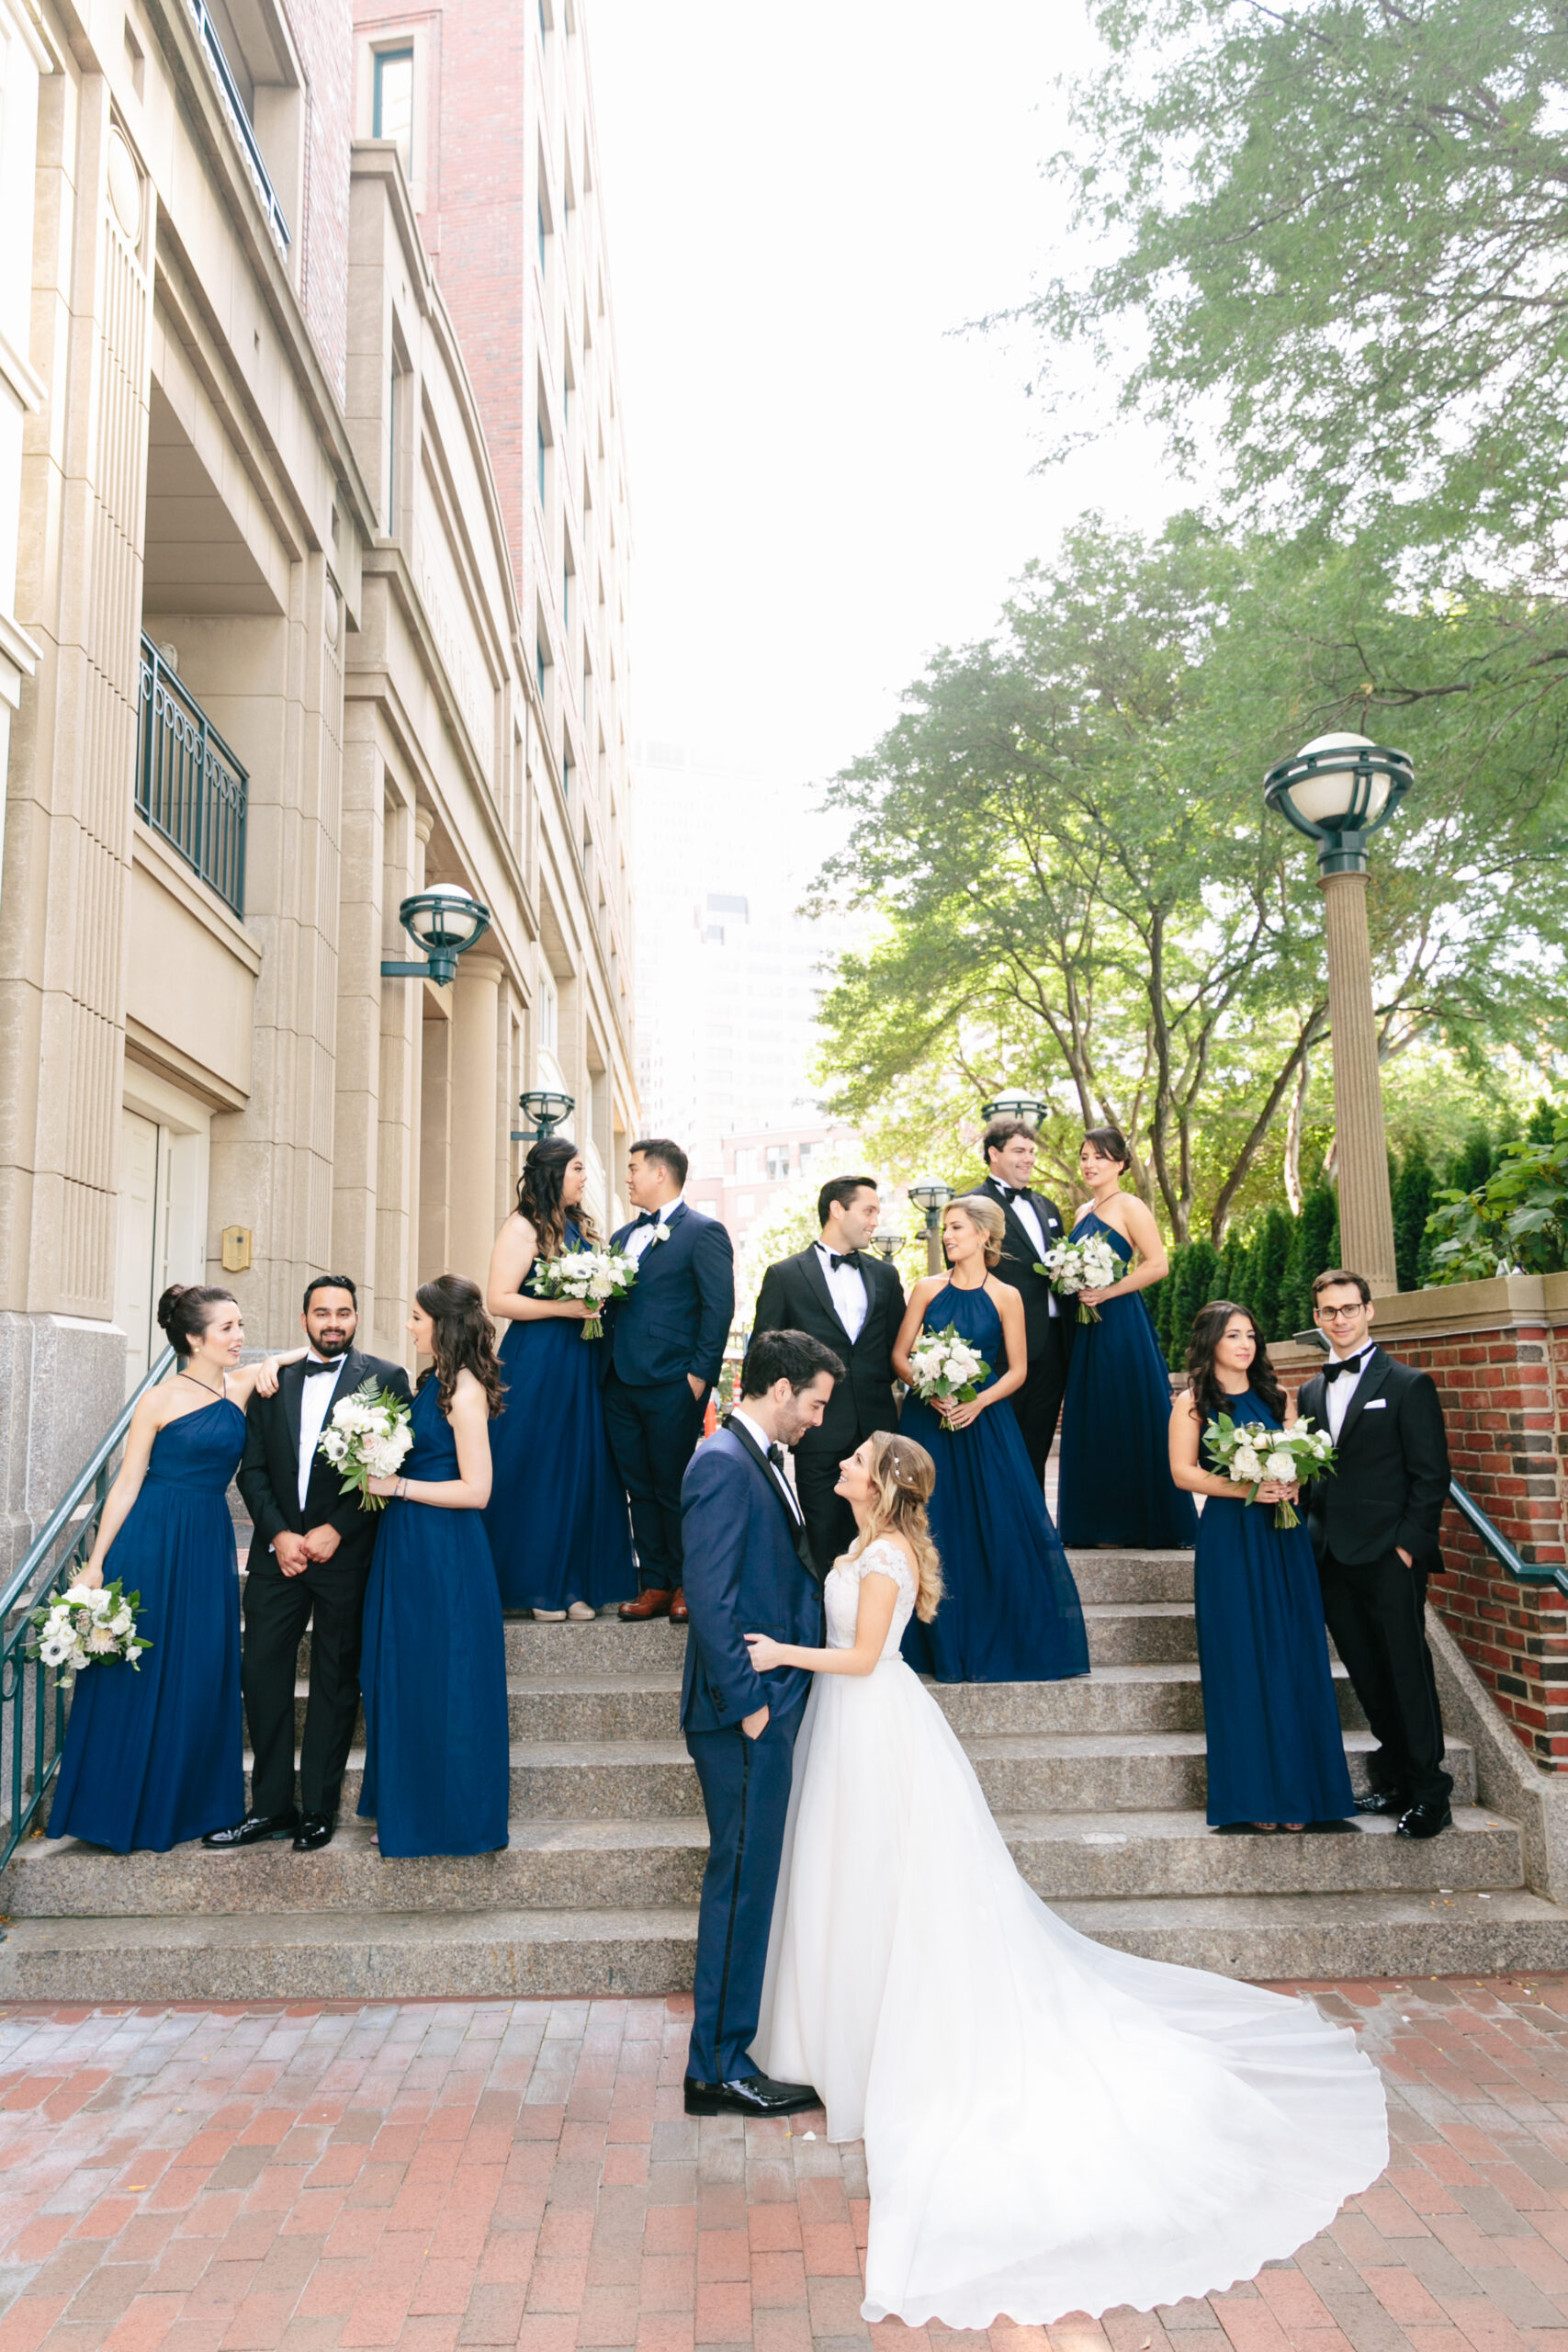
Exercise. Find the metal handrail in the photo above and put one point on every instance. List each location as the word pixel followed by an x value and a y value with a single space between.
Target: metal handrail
pixel 1523 1571
pixel 224 74
pixel 57 1551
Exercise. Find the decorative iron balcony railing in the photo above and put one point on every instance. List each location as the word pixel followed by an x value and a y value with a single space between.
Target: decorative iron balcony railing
pixel 190 785
pixel 244 130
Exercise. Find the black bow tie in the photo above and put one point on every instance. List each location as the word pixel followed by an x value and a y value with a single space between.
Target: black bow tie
pixel 776 1456
pixel 649 1216
pixel 845 1258
pixel 1009 1193
pixel 1351 1364
pixel 310 1365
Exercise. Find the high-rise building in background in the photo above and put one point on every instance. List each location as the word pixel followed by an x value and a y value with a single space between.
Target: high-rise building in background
pixel 730 976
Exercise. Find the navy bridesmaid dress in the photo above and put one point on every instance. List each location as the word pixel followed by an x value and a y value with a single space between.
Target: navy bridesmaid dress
pixel 556 1516
pixel 155 1753
pixel 1276 1752
pixel 433 1669
pixel 1115 1485
pixel 1009 1610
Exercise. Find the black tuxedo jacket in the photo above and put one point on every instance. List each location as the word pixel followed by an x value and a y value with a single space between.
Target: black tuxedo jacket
pixel 269 1471
pixel 795 1297
pixel 1042 1329
pixel 1392 1479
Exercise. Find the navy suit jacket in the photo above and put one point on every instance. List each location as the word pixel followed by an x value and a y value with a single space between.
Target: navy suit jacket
pixel 741 1575
pixel 676 1316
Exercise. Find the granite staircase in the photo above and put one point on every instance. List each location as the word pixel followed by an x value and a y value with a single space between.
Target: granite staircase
pixel 1097 1785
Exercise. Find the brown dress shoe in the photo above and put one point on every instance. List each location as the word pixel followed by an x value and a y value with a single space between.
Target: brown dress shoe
pixel 654 1603
pixel 678 1612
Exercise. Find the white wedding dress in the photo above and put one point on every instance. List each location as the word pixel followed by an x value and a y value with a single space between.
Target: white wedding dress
pixel 1050 2126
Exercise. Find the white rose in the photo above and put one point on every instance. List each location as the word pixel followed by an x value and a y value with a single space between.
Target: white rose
pixel 1280 1465
pixel 121 1624
pixel 1246 1467
pixel 77 1595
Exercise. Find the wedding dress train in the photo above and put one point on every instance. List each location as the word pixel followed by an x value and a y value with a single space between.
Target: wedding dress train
pixel 1050 2126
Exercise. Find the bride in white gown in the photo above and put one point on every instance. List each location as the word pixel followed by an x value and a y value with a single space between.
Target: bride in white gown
pixel 1050 2126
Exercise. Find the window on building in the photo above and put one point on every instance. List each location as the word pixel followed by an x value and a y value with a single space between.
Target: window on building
pixel 543 232
pixel 549 1013
pixel 568 777
pixel 543 444
pixel 566 595
pixel 390 454
pixel 392 117
pixel 778 1161
pixel 540 665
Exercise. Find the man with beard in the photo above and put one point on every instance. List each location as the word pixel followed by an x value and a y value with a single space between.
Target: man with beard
pixel 308 1562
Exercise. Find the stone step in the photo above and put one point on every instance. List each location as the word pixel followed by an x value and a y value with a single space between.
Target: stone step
pixel 1167 1696
pixel 647 1780
pixel 1304 1938
pixel 410 1955
pixel 645 1865
pixel 1132 1576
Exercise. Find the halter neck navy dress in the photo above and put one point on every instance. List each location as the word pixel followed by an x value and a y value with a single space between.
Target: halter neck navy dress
pixel 557 1518
pixel 1115 1483
pixel 1009 1610
pixel 433 1670
pixel 1271 1718
pixel 154 1752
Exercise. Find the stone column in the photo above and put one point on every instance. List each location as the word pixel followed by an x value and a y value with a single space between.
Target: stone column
pixel 1366 1212
pixel 476 1003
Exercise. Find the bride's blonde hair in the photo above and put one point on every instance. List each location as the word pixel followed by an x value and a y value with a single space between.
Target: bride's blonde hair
pixel 902 1477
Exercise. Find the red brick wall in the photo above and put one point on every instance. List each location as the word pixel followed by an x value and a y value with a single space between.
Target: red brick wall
pixel 323 34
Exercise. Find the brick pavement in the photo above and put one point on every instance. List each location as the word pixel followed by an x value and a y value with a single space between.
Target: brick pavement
pixel 436 2174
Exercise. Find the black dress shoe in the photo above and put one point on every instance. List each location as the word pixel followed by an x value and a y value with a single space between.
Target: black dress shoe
pixel 754 2095
pixel 1426 1821
pixel 315 1832
pixel 1383 1801
pixel 255 1830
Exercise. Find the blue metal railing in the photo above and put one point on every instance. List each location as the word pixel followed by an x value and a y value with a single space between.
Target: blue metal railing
pixel 1522 1571
pixel 32 1713
pixel 190 785
pixel 238 115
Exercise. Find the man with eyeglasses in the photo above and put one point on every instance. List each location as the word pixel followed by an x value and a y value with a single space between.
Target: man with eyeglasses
pixel 1375 1527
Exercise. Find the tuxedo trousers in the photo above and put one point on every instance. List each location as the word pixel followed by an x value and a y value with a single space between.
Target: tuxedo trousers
pixel 745 1784
pixel 329 1598
pixel 1037 1406
pixel 653 1433
pixel 1376 1613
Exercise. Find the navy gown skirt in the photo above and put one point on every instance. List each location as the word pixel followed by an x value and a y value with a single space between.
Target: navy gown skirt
pixel 154 1752
pixel 1115 1485
pixel 1276 1752
pixel 557 1520
pixel 433 1669
pixel 1009 1610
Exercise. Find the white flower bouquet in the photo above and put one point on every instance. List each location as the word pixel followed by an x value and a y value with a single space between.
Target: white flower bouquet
pixel 368 1437
pixel 946 1368
pixel 1075 1266
pixel 1248 1454
pixel 595 1275
pixel 83 1628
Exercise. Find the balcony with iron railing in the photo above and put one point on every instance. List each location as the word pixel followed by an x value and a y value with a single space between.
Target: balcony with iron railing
pixel 189 787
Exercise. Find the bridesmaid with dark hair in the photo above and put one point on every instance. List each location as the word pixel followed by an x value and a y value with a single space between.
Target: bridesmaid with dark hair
pixel 433 1669
pixel 1276 1751
pixel 1115 1485
pixel 154 1752
pixel 557 1520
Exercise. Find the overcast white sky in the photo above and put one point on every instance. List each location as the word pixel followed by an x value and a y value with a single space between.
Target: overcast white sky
pixel 826 485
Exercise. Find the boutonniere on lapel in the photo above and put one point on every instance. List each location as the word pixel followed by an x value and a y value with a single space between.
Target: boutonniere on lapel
pixel 660 1233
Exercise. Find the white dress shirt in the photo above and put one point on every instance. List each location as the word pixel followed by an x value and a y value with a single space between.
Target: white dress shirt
pixel 1028 1217
pixel 316 1396
pixel 848 1288
pixel 1340 1391
pixel 760 1437
pixel 641 1236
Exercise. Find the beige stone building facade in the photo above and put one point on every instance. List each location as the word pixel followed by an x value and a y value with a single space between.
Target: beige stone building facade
pixel 269 663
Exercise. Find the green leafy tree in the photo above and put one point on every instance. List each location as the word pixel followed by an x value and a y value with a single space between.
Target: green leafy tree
pixel 1197 1280
pixel 1415 1192
pixel 1314 1245
pixel 1515 1221
pixel 1338 229
pixel 1077 891
pixel 1269 1257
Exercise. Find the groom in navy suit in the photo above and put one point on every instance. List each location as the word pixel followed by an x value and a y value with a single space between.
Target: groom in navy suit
pixel 749 1570
pixel 665 1345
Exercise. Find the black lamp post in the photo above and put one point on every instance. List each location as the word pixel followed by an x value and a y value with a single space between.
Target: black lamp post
pixel 446 922
pixel 1339 790
pixel 547 1107
pixel 933 1198
pixel 887 1242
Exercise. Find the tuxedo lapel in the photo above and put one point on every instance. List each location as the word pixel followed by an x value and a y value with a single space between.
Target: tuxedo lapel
pixel 797 1527
pixel 817 1283
pixel 1371 1381
pixel 290 1389
pixel 1312 1401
